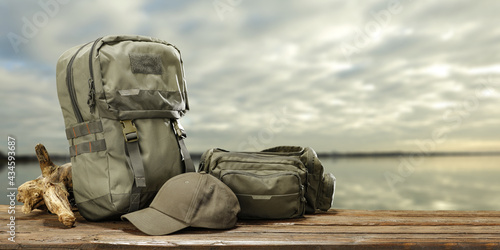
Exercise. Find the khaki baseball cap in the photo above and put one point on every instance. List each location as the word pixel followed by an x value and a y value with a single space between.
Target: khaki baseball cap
pixel 188 200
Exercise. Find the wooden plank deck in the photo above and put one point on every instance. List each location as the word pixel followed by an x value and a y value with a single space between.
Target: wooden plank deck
pixel 340 228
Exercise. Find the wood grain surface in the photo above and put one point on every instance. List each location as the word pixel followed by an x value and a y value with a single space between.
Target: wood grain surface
pixel 350 229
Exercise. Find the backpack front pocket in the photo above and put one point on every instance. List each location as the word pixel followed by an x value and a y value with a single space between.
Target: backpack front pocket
pixel 273 195
pixel 142 80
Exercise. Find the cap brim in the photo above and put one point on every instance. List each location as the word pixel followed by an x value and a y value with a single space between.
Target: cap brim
pixel 153 222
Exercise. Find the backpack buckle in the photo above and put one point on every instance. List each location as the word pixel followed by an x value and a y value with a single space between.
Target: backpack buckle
pixel 179 130
pixel 129 131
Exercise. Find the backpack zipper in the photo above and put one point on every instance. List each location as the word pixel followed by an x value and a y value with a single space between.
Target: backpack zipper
pixel 71 86
pixel 282 173
pixel 91 98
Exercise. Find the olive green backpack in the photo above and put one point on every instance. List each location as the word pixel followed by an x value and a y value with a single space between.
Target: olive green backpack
pixel 276 183
pixel 121 98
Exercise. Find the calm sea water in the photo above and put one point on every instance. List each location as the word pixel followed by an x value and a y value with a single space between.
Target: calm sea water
pixel 432 183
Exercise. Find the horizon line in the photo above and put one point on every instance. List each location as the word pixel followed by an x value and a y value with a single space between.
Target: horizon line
pixel 352 154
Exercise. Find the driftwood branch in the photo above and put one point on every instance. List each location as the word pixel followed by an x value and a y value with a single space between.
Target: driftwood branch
pixel 50 190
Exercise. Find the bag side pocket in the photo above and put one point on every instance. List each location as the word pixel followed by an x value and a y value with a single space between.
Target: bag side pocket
pixel 326 192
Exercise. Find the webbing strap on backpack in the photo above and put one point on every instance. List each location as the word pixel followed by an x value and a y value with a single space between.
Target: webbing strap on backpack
pixel 186 157
pixel 132 147
pixel 188 162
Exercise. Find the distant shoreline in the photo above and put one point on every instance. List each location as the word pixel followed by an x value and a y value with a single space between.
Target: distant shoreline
pixel 397 154
pixel 66 158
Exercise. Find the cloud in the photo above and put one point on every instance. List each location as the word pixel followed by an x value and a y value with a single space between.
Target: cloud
pixel 31 111
pixel 264 57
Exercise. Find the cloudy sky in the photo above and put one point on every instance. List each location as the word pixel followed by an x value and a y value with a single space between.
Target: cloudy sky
pixel 335 75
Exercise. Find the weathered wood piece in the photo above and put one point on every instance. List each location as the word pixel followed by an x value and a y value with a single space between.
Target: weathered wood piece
pixel 50 190
pixel 338 229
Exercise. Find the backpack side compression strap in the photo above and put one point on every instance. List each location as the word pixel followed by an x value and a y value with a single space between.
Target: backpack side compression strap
pixel 188 162
pixel 132 147
pixel 181 135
